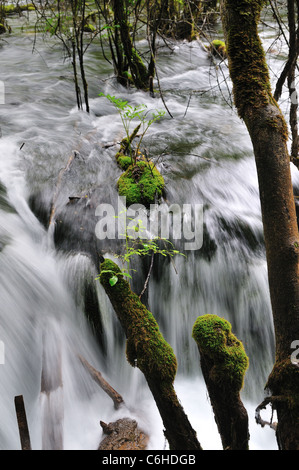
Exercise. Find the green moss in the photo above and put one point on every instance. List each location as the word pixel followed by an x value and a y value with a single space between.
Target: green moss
pixel 14 9
pixel 146 347
pixel 139 68
pixel 89 28
pixel 215 340
pixel 248 69
pixel 123 161
pixel 218 47
pixel 141 183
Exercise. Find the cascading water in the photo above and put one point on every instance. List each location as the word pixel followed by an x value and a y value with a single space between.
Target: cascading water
pixel 45 271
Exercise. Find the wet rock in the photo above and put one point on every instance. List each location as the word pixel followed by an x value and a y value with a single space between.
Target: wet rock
pixel 123 434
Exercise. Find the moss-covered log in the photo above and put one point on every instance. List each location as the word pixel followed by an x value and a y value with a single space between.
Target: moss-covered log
pixel 147 349
pixel 224 363
pixel 268 132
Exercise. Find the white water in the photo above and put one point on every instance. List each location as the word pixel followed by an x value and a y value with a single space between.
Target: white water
pixel 42 323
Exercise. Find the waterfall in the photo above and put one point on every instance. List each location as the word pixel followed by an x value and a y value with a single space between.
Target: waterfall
pixel 47 274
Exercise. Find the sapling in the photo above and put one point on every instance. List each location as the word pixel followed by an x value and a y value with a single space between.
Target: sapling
pixel 128 114
pixel 138 244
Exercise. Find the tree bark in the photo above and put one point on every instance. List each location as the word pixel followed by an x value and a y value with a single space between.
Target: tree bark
pixel 148 350
pixel 138 69
pixel 268 132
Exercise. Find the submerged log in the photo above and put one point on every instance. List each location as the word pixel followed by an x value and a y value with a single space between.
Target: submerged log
pixel 224 363
pixel 147 349
pixel 22 423
pixel 123 434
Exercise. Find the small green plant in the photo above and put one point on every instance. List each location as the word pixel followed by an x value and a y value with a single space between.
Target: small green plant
pixel 137 246
pixel 128 114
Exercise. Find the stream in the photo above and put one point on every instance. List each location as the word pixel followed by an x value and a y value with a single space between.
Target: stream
pixel 47 272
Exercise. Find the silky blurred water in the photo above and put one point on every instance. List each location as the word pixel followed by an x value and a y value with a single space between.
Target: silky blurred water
pixel 206 159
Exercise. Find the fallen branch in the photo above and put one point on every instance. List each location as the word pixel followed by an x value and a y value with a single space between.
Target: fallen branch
pixel 98 378
pixel 148 276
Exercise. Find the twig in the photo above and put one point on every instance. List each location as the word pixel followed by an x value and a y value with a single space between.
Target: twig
pixel 157 75
pixel 148 276
pixel 190 96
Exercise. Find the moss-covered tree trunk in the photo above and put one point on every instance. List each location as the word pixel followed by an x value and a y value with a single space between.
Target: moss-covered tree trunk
pixel 148 350
pixel 268 132
pixel 223 363
pixel 137 68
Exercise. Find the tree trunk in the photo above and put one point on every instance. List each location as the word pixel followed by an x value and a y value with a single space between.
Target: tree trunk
pixel 224 363
pixel 268 132
pixel 138 69
pixel 148 350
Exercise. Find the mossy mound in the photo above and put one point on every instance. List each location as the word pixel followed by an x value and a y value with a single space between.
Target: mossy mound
pixel 141 183
pixel 216 341
pixel 218 47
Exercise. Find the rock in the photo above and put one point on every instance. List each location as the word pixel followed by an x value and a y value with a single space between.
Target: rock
pixel 123 434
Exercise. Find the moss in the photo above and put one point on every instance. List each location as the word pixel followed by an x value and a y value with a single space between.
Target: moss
pixel 89 28
pixel 215 339
pixel 146 347
pixel 123 161
pixel 249 70
pixel 247 63
pixel 218 47
pixel 14 9
pixel 138 68
pixel 141 183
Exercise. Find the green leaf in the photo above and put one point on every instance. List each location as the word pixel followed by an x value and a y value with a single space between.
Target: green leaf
pixel 113 280
pixel 126 274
